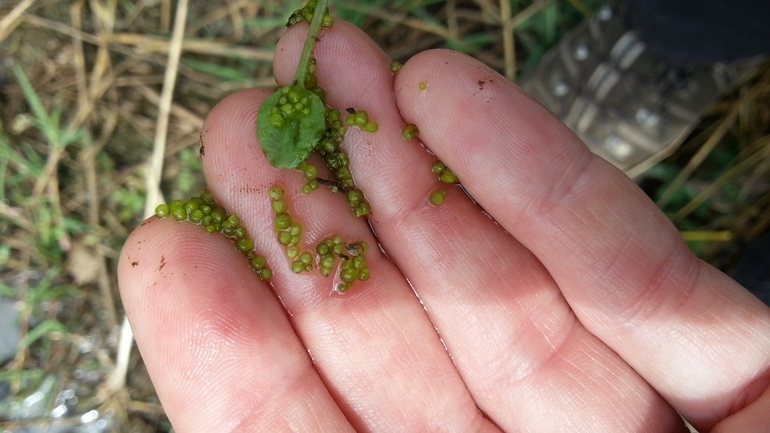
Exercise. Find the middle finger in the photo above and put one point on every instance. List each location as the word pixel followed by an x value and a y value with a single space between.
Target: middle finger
pixel 519 348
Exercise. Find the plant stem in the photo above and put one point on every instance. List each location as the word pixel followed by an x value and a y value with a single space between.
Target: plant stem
pixel 312 38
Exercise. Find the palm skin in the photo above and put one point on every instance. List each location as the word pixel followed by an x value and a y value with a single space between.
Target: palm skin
pixel 576 307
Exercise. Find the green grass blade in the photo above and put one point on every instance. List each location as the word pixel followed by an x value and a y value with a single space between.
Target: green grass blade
pixel 41 330
pixel 45 122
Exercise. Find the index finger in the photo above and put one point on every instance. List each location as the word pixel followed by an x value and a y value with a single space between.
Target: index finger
pixel 620 263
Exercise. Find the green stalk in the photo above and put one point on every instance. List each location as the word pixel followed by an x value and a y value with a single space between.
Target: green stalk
pixel 312 38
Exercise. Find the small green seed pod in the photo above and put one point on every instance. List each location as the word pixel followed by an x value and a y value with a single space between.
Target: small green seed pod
pixel 284 238
pixel 196 216
pixel 162 210
pixel 276 192
pixel 327 261
pixel 355 196
pixel 207 197
pixel 190 206
pixel 310 172
pixel 448 176
pixel 363 274
pixel 394 66
pixel 265 274
pixel 218 214
pixel 370 127
pixel 240 232
pixel 295 229
pixel 179 213
pixel 214 227
pixel 282 221
pixel 410 132
pixel 322 249
pixel 280 206
pixel 438 167
pixel 362 209
pixel 257 263
pixel 349 275
pixel 231 222
pixel 292 251
pixel 332 160
pixel 297 267
pixel 437 198
pixel 176 204
pixel 360 118
pixel 244 244
pixel 342 173
pixel 277 120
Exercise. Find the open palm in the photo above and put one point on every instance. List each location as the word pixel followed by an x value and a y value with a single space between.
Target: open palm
pixel 563 300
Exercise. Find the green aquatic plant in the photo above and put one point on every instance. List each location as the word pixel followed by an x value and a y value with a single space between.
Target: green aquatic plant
pixel 292 124
pixel 204 211
pixel 292 120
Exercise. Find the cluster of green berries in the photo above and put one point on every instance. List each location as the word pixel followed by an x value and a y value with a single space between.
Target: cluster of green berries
pixel 436 198
pixel 204 211
pixel 361 119
pixel 293 104
pixel 353 266
pixel 338 160
pixel 289 232
pixel 310 173
pixel 311 81
pixel 306 14
pixel 445 175
pixel 357 202
pixel 410 132
pixel 327 251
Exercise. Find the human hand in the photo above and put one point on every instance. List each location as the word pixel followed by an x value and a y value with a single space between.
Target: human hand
pixel 582 310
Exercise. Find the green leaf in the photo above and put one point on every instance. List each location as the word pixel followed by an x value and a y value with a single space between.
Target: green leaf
pixel 287 146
